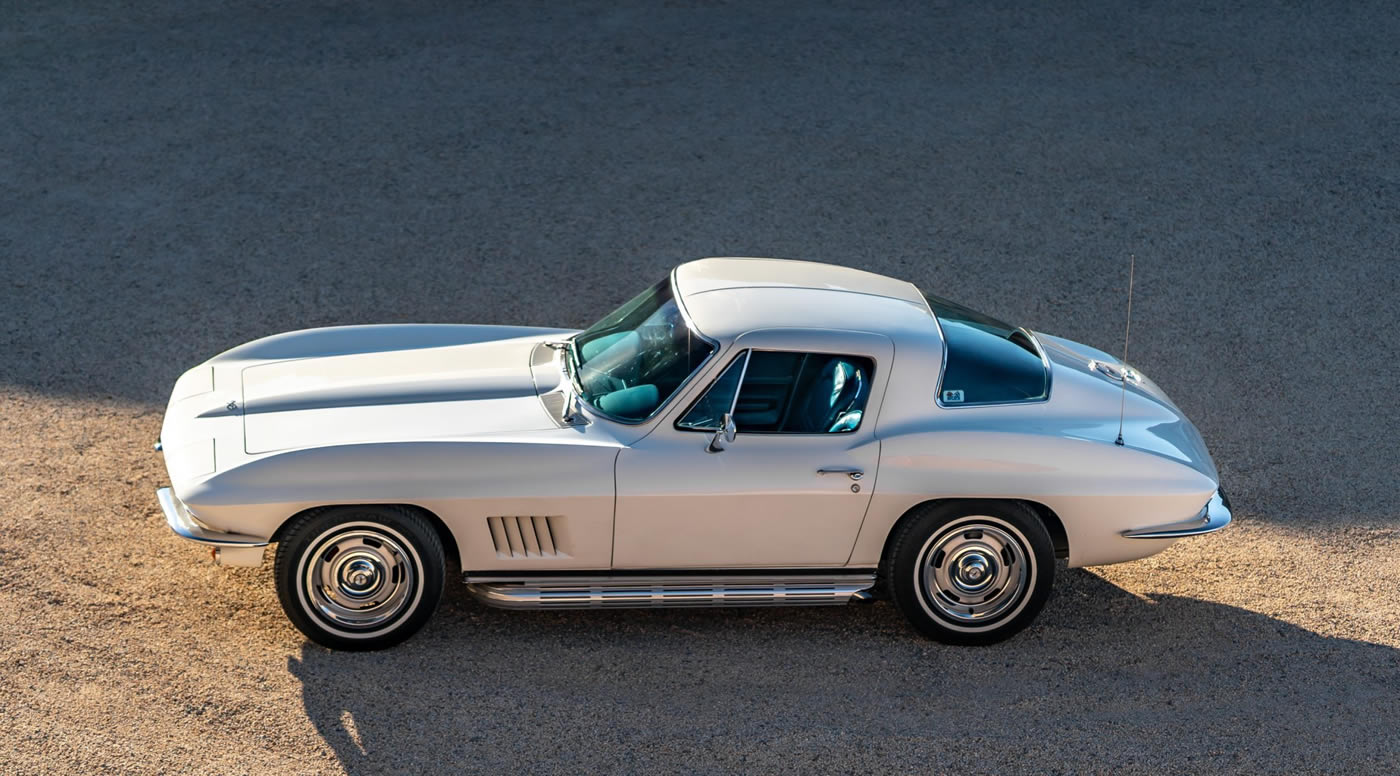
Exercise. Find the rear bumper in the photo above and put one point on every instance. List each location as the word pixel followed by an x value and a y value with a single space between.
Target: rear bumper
pixel 1212 517
pixel 229 549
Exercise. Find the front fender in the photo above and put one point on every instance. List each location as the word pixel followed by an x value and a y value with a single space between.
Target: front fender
pixel 462 482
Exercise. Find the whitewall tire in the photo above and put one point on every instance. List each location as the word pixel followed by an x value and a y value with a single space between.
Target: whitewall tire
pixel 971 572
pixel 360 577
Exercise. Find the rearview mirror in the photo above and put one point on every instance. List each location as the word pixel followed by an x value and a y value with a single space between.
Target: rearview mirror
pixel 724 435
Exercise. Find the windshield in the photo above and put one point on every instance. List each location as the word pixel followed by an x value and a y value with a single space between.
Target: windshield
pixel 629 363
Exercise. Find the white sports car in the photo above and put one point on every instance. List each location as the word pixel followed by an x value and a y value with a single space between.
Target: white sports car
pixel 745 432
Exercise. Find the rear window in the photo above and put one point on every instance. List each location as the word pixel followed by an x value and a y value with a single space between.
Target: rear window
pixel 989 361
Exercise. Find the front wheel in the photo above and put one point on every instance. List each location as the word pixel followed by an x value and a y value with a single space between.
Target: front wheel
pixel 359 577
pixel 971 572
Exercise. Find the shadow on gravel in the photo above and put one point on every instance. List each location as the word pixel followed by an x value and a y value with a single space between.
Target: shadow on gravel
pixel 1110 680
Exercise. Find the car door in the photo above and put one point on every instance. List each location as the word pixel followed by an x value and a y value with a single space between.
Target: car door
pixel 792 488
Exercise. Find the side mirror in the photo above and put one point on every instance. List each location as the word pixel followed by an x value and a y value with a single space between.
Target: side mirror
pixel 724 435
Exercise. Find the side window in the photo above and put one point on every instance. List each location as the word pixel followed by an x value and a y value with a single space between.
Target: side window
pixel 783 392
pixel 705 414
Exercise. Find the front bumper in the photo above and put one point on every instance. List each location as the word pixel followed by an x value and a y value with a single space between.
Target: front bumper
pixel 1212 517
pixel 228 549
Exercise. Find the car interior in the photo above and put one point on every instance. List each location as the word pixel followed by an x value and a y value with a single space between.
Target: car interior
pixel 788 392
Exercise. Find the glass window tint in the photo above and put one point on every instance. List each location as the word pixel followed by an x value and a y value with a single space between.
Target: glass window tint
pixel 767 387
pixel 629 363
pixel 788 393
pixel 989 362
pixel 705 414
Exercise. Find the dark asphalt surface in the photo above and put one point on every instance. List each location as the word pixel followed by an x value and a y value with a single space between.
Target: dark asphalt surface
pixel 180 177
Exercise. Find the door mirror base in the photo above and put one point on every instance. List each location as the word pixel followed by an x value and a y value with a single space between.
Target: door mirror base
pixel 724 435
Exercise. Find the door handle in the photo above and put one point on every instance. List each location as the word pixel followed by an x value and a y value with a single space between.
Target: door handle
pixel 854 474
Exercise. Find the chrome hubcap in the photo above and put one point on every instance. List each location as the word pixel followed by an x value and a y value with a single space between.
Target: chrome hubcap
pixel 358 575
pixel 974 572
pixel 359 578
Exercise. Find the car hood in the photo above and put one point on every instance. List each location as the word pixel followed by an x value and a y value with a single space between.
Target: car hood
pixel 352 384
pixel 400 395
pixel 1085 386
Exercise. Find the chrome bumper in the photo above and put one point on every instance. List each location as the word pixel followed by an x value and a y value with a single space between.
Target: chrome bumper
pixel 1212 517
pixel 229 549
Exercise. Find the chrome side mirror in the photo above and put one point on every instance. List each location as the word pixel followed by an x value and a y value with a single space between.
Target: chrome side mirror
pixel 724 435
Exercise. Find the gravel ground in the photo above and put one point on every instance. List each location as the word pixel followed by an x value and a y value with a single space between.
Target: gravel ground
pixel 180 177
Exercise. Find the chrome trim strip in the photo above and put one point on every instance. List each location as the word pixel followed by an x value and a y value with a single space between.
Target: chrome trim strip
pixel 1212 517
pixel 183 524
pixel 593 592
pixel 743 372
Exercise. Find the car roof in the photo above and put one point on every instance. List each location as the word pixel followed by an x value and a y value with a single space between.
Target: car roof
pixel 702 275
pixel 726 297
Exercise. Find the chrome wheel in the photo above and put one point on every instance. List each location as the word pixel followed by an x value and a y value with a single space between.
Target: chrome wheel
pixel 974 573
pixel 358 578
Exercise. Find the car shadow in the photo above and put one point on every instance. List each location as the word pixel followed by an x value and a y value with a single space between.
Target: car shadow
pixel 485 690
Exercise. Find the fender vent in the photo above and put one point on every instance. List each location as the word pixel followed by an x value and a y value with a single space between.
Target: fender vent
pixel 530 536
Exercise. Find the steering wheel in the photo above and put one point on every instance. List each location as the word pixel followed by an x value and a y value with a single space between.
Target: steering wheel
pixel 657 335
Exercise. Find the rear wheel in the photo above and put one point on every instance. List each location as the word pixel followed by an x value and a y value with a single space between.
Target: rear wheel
pixel 360 577
pixel 971 572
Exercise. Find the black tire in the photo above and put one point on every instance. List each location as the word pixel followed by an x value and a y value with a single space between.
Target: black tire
pixel 994 576
pixel 359 577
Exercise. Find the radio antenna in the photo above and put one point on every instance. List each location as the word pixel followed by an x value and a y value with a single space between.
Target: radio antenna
pixel 1123 367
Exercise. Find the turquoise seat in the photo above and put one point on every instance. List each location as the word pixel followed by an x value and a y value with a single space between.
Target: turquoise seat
pixel 834 401
pixel 636 402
